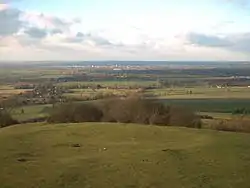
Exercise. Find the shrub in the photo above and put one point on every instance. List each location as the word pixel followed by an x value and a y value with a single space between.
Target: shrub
pixel 160 114
pixel 75 113
pixel 180 116
pixel 142 111
pixel 240 125
pixel 127 110
pixel 206 117
pixel 134 110
pixel 34 120
pixel 6 119
pixel 106 108
pixel 117 110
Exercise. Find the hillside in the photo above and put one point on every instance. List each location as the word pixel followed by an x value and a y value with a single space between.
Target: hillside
pixel 122 156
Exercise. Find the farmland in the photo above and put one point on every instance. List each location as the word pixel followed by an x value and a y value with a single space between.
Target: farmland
pixel 210 105
pixel 201 93
pixel 220 90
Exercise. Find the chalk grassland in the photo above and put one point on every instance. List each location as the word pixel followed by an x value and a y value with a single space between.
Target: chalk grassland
pixel 116 155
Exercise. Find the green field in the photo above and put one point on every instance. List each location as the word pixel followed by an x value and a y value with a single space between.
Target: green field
pixel 217 108
pixel 201 93
pixel 203 97
pixel 30 73
pixel 210 105
pixel 30 112
pixel 82 94
pixel 112 155
pixel 110 83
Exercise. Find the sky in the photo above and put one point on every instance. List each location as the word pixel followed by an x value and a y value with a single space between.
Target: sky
pixel 196 30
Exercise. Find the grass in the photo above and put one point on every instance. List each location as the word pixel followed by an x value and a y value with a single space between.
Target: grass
pixel 122 156
pixel 84 93
pixel 109 83
pixel 201 93
pixel 202 99
pixel 30 112
pixel 210 105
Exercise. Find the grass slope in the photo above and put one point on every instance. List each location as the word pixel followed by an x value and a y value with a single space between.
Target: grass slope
pixel 40 155
pixel 30 112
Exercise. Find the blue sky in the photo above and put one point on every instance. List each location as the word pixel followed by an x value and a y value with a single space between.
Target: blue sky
pixel 125 30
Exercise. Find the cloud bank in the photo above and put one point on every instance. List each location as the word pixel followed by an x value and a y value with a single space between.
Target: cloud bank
pixel 237 42
pixel 37 36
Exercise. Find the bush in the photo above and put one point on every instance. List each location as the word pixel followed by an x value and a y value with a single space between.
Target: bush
pixel 75 113
pixel 206 117
pixel 34 120
pixel 183 117
pixel 6 119
pixel 160 115
pixel 128 110
pixel 239 125
pixel 134 110
pixel 142 111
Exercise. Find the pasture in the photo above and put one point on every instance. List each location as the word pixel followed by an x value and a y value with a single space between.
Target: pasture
pixel 210 105
pixel 8 91
pixel 139 83
pixel 30 112
pixel 199 96
pixel 121 155
pixel 200 93
pixel 90 94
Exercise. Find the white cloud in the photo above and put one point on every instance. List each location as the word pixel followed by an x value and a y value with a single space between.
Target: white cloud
pixel 236 42
pixel 3 6
pixel 36 36
pixel 9 21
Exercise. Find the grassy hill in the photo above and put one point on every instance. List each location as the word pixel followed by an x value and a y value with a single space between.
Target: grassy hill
pixel 123 156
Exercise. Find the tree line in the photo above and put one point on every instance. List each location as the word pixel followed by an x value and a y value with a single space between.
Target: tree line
pixel 128 110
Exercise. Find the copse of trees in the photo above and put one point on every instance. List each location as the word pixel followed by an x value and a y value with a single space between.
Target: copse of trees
pixel 179 116
pixel 75 113
pixel 6 119
pixel 6 107
pixel 128 110
pixel 135 110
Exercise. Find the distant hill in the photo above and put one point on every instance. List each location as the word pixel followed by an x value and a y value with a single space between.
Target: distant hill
pixel 176 64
